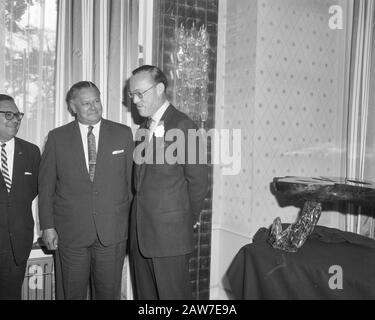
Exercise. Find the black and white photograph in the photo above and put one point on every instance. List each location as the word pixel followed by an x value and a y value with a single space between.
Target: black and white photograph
pixel 187 155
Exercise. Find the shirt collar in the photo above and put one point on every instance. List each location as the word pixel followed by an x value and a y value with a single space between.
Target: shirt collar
pixel 85 126
pixel 159 114
pixel 9 144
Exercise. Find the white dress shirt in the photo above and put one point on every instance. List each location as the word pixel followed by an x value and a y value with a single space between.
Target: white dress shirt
pixel 84 128
pixel 9 149
pixel 156 118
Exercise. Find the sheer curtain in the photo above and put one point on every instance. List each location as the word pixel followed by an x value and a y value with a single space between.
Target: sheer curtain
pixel 97 41
pixel 27 62
pixel 366 223
pixel 361 141
pixel 366 220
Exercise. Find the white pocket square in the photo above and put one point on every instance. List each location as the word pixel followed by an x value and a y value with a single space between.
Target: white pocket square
pixel 118 151
pixel 28 173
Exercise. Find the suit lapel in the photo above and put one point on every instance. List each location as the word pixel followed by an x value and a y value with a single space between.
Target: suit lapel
pixel 18 166
pixel 142 168
pixel 104 147
pixel 167 114
pixel 77 149
pixel 139 168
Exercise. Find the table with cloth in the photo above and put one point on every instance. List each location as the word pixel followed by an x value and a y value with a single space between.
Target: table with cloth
pixel 259 271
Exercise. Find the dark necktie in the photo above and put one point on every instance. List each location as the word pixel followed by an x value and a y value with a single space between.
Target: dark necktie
pixel 91 146
pixel 4 167
pixel 147 137
pixel 149 122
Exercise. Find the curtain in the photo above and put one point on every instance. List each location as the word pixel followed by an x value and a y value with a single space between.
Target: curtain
pixel 361 142
pixel 97 41
pixel 2 46
pixel 27 62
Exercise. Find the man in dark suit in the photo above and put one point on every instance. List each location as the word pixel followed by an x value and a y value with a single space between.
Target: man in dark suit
pixel 85 194
pixel 168 196
pixel 18 188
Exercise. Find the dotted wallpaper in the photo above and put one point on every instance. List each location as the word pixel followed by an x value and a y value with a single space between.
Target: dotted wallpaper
pixel 233 194
pixel 283 83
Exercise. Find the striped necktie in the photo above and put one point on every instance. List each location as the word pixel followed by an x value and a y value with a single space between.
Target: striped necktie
pixel 4 167
pixel 91 145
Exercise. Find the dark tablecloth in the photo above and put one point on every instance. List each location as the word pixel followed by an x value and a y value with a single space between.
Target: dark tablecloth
pixel 260 272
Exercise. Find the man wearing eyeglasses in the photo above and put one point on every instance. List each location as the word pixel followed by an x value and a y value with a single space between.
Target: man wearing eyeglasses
pixel 18 188
pixel 168 196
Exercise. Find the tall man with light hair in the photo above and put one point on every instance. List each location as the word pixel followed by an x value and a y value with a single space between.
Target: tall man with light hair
pixel 168 196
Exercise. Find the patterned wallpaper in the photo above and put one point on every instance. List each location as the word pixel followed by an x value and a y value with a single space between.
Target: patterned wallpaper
pixel 235 101
pixel 283 84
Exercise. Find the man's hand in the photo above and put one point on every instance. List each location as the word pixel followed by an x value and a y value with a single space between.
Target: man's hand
pixel 50 238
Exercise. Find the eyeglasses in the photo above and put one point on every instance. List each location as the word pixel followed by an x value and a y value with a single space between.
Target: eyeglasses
pixel 9 115
pixel 140 94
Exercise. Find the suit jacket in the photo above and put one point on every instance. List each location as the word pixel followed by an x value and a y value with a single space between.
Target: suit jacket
pixel 169 197
pixel 81 210
pixel 16 219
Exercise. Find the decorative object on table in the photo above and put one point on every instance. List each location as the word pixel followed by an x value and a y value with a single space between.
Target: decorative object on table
pixel 191 70
pixel 292 238
pixel 314 191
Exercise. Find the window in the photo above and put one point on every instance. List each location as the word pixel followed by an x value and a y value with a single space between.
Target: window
pixel 27 62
